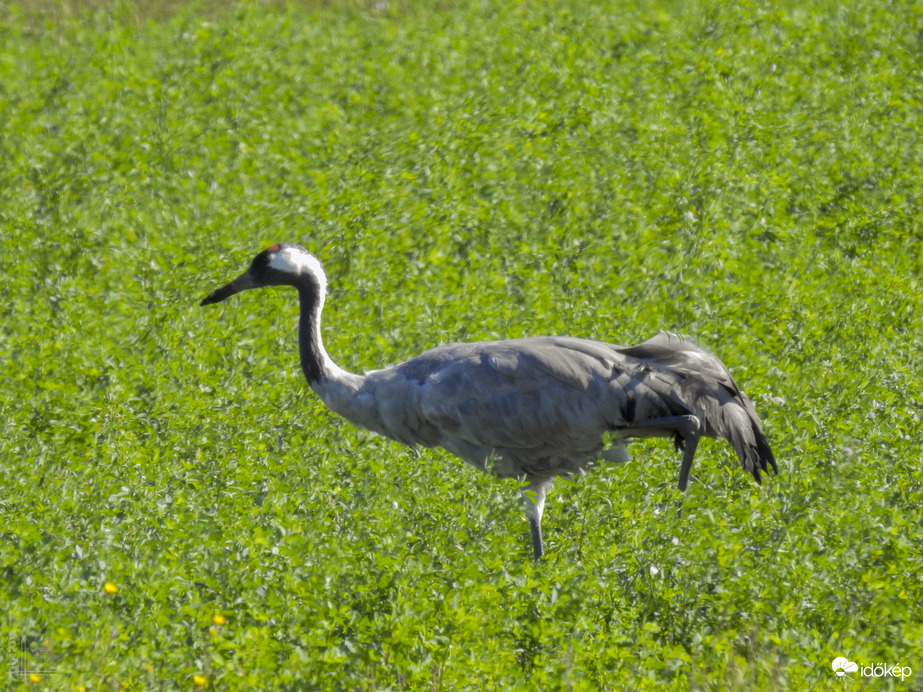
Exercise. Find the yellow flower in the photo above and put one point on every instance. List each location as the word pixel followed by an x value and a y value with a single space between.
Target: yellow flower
pixel 199 680
pixel 219 620
pixel 34 677
pixel 110 588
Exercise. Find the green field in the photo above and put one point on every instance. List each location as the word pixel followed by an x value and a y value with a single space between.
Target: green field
pixel 179 511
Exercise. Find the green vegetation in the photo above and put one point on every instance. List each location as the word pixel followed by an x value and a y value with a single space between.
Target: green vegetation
pixel 748 175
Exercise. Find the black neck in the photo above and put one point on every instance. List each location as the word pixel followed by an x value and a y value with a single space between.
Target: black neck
pixel 309 343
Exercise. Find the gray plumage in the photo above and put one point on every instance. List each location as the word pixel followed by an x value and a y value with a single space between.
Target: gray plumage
pixel 533 408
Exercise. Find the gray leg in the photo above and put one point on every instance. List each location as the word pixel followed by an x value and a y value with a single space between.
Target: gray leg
pixel 689 429
pixel 690 443
pixel 535 505
pixel 537 546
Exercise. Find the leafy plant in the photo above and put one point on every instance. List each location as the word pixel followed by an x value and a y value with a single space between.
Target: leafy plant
pixel 179 511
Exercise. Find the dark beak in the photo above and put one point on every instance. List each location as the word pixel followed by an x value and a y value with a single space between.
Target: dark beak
pixel 241 283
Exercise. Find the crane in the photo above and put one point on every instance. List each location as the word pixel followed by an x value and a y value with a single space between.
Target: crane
pixel 533 408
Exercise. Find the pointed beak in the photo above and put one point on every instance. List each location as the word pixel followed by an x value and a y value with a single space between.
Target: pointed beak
pixel 241 283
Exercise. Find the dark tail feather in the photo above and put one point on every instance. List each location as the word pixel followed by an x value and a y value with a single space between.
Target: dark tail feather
pixel 700 382
pixel 765 453
pixel 741 427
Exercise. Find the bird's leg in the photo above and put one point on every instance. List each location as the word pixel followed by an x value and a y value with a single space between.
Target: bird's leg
pixel 691 441
pixel 533 496
pixel 688 430
pixel 538 547
pixel 663 427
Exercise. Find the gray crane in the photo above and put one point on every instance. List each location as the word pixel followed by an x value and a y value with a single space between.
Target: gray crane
pixel 533 408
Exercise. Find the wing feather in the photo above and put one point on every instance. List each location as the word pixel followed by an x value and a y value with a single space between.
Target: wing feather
pixel 531 393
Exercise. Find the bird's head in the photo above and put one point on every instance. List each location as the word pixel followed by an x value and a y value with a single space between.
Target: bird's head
pixel 283 264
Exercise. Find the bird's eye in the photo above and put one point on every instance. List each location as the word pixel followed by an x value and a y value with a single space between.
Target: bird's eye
pixel 260 262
